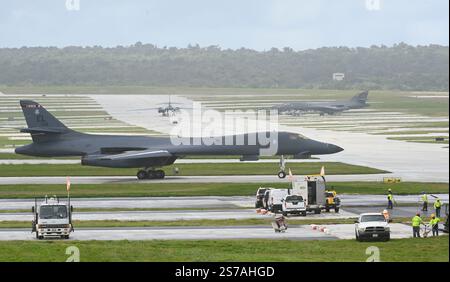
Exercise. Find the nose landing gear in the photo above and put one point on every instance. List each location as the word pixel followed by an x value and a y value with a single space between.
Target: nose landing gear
pixel 150 173
pixel 282 172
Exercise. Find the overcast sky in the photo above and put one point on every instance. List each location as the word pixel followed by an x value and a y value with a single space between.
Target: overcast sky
pixel 256 24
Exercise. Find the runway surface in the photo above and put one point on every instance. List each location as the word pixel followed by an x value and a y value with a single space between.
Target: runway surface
pixel 205 202
pixel 169 233
pixel 303 232
pixel 173 215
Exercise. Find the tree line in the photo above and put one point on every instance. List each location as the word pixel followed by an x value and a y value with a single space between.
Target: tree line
pixel 401 67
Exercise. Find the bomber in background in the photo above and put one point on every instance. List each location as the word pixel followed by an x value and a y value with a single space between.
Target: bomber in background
pixel 357 102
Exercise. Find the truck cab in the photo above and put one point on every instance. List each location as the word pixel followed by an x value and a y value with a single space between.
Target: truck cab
pixel 52 218
pixel 332 201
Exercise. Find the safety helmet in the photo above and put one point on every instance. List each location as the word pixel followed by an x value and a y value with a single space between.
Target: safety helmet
pixel 433 215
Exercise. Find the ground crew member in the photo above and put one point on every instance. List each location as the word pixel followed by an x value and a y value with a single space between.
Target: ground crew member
pixel 330 197
pixel 434 223
pixel 390 200
pixel 425 202
pixel 437 207
pixel 416 221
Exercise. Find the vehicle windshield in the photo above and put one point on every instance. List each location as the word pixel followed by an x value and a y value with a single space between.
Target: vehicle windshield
pixel 294 199
pixel 53 212
pixel 373 217
pixel 262 191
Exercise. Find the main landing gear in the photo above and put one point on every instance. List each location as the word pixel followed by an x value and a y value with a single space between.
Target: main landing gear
pixel 150 174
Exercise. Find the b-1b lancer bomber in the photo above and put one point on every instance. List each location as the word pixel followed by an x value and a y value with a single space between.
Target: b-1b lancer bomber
pixel 296 108
pixel 51 138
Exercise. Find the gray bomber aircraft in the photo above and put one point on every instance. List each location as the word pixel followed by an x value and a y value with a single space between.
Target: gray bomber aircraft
pixel 51 138
pixel 357 102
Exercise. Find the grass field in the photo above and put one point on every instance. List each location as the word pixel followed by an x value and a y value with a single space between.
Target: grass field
pixel 403 250
pixel 5 142
pixel 206 189
pixel 13 156
pixel 332 168
pixel 406 133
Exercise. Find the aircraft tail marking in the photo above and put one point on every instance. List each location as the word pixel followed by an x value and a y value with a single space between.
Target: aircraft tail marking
pixel 41 124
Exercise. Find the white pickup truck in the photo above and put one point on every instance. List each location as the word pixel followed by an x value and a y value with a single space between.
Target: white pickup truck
pixel 293 204
pixel 372 226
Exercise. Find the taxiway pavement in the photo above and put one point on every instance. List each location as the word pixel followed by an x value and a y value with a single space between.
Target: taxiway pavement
pixel 211 202
pixel 300 232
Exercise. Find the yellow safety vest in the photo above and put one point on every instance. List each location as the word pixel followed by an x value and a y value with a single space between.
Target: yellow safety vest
pixel 416 221
pixel 390 197
pixel 437 204
pixel 435 221
pixel 425 198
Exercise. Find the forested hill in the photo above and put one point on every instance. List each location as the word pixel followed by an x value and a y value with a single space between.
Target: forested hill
pixel 399 67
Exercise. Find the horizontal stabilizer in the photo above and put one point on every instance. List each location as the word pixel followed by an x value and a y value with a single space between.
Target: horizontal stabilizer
pixel 43 130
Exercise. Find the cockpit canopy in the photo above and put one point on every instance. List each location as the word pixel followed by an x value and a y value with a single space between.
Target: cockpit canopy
pixel 295 136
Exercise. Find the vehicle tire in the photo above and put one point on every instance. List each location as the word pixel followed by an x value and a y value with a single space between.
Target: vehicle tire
pixel 336 210
pixel 37 235
pixel 317 211
pixel 40 237
pixel 151 174
pixel 142 174
pixel 327 209
pixel 285 214
pixel 160 174
pixel 281 174
pixel 357 237
pixel 303 213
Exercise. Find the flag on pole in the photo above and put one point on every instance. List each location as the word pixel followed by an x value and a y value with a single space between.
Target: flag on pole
pixel 68 183
pixel 290 175
pixel 322 171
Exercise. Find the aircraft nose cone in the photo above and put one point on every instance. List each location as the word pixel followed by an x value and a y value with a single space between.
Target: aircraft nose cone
pixel 334 148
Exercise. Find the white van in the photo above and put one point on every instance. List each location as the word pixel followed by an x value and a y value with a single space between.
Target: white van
pixel 275 203
pixel 293 204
